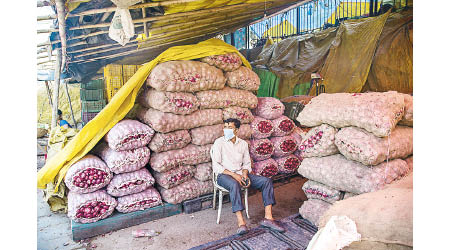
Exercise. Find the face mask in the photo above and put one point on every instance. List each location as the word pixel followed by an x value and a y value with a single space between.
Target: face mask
pixel 228 133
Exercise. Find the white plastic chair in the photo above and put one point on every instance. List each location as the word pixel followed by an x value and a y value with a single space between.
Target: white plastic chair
pixel 223 191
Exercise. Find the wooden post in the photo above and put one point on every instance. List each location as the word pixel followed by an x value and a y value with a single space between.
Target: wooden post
pixel 70 103
pixel 56 88
pixel 145 24
pixel 60 11
pixel 49 94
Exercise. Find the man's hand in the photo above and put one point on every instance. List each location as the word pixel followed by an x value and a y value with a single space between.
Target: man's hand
pixel 245 178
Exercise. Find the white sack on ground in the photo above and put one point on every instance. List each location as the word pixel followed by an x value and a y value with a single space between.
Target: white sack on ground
pixel 359 145
pixel 242 114
pixel 266 168
pixel 189 155
pixel 339 173
pixel 318 142
pixel 384 216
pixel 207 134
pixel 168 122
pixel 87 175
pixel 375 112
pixel 123 161
pixel 243 78
pixel 262 128
pixel 313 209
pixel 317 190
pixel 90 207
pixel 226 97
pixel 140 201
pixel 226 62
pixel 185 191
pixel 260 149
pixel 185 76
pixel 269 108
pixel 129 134
pixel 169 141
pixel 130 183
pixel 283 126
pixel 283 146
pixel 173 102
pixel 203 172
pixel 175 176
pixel 288 164
pixel 407 119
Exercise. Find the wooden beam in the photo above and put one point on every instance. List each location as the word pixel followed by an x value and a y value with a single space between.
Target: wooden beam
pixel 46 17
pixel 144 15
pixel 60 11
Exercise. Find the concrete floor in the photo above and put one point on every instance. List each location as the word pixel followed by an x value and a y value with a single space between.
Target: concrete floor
pixel 180 231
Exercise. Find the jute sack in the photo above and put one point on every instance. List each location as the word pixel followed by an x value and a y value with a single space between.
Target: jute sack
pixel 375 112
pixel 226 62
pixel 123 161
pixel 243 78
pixel 269 108
pixel 244 115
pixel 384 216
pixel 313 209
pixel 179 103
pixel 350 176
pixel 203 171
pixel 359 145
pixel 318 142
pixel 266 168
pixel 408 117
pixel 317 190
pixel 129 134
pixel 206 134
pixel 226 97
pixel 175 176
pixel 185 191
pixel 185 76
pixel 90 207
pixel 140 201
pixel 168 122
pixel 189 155
pixel 168 141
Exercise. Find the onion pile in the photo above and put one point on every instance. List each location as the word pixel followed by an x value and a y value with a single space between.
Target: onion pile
pixel 266 168
pixel 284 146
pixel 129 134
pixel 261 149
pixel 90 207
pixel 283 126
pixel 262 128
pixel 288 164
pixel 87 175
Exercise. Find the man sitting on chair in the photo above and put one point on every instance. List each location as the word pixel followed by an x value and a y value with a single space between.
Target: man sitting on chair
pixel 231 161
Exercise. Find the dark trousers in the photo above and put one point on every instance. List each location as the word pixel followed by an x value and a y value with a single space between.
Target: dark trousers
pixel 261 183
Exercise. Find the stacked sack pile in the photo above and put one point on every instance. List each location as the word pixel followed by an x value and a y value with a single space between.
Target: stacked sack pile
pixel 185 102
pixel 355 146
pixel 113 175
pixel 273 146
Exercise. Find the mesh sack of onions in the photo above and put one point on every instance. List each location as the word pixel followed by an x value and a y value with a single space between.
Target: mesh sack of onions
pixel 129 134
pixel 283 126
pixel 376 112
pixel 244 132
pixel 317 190
pixel 407 119
pixel 169 141
pixel 203 171
pixel 298 135
pixel 339 173
pixel 261 149
pixel 140 201
pixel 90 207
pixel 288 164
pixel 313 209
pixel 283 146
pixel 185 191
pixel 359 145
pixel 189 155
pixel 168 122
pixel 226 62
pixel 87 175
pixel 185 76
pixel 130 183
pixel 207 134
pixel 174 176
pixel 173 102
pixel 243 78
pixel 262 128
pixel 409 161
pixel 123 161
pixel 242 114
pixel 226 97
pixel 266 168
pixel 269 108
pixel 319 141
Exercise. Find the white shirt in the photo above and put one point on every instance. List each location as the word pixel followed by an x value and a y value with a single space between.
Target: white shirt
pixel 231 156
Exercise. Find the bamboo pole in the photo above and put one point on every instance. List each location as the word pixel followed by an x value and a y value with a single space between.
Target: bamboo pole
pixel 43 3
pixel 46 31
pixel 49 94
pixel 145 23
pixel 60 11
pixel 70 103
pixel 56 88
pixel 46 17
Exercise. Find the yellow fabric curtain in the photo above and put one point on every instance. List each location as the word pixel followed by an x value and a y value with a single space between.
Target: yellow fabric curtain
pixel 119 106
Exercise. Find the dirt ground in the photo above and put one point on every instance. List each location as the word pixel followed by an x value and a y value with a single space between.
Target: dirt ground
pixel 181 231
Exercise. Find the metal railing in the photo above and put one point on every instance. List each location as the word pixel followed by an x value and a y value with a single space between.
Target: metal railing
pixel 309 17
